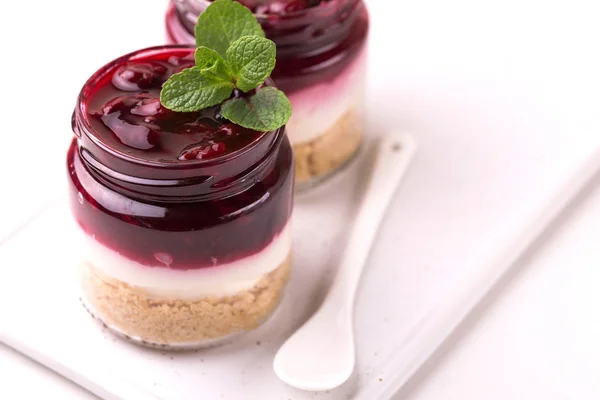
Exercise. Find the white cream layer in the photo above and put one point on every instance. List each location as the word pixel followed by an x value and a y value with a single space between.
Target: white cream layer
pixel 160 281
pixel 317 108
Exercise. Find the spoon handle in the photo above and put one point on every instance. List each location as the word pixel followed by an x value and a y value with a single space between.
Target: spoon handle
pixel 393 156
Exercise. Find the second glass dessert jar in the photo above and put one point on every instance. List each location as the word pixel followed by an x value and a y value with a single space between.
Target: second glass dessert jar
pixel 183 219
pixel 321 59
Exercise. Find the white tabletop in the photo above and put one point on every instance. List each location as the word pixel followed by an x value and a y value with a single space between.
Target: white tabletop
pixel 537 338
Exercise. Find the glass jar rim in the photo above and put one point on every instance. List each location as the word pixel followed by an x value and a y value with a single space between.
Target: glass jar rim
pixel 82 125
pixel 325 7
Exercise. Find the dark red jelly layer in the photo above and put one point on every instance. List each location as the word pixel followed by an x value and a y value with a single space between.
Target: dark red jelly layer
pixel 315 42
pixel 197 192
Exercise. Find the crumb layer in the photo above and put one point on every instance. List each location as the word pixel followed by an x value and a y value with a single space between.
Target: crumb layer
pixel 318 158
pixel 173 322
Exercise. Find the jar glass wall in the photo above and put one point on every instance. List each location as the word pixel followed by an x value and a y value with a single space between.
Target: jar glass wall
pixel 183 219
pixel 321 59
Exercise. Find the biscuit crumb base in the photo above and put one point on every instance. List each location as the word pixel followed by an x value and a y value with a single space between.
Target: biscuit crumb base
pixel 318 158
pixel 162 322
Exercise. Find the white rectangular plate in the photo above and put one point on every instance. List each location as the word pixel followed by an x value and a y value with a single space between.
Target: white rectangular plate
pixel 461 197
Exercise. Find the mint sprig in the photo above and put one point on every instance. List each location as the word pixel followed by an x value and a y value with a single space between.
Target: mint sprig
pixel 212 64
pixel 224 22
pixel 232 53
pixel 267 110
pixel 191 90
pixel 251 60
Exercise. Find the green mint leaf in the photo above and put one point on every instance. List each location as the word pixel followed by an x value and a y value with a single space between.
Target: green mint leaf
pixel 212 64
pixel 224 22
pixel 267 110
pixel 190 90
pixel 251 59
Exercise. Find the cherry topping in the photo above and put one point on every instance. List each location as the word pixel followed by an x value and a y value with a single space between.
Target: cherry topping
pixel 124 103
pixel 281 7
pixel 136 136
pixel 198 130
pixel 297 5
pixel 136 120
pixel 149 107
pixel 252 4
pixel 202 152
pixel 261 9
pixel 179 61
pixel 229 130
pixel 140 75
pixel 118 115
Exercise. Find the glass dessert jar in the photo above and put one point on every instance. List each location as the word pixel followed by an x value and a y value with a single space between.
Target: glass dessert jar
pixel 321 57
pixel 183 218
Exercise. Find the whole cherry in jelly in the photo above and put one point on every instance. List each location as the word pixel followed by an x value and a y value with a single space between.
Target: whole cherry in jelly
pixel 139 75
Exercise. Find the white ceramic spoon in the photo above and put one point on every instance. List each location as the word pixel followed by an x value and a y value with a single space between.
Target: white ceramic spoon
pixel 320 355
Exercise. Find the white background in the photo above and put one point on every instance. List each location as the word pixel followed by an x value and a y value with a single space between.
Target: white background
pixel 537 338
